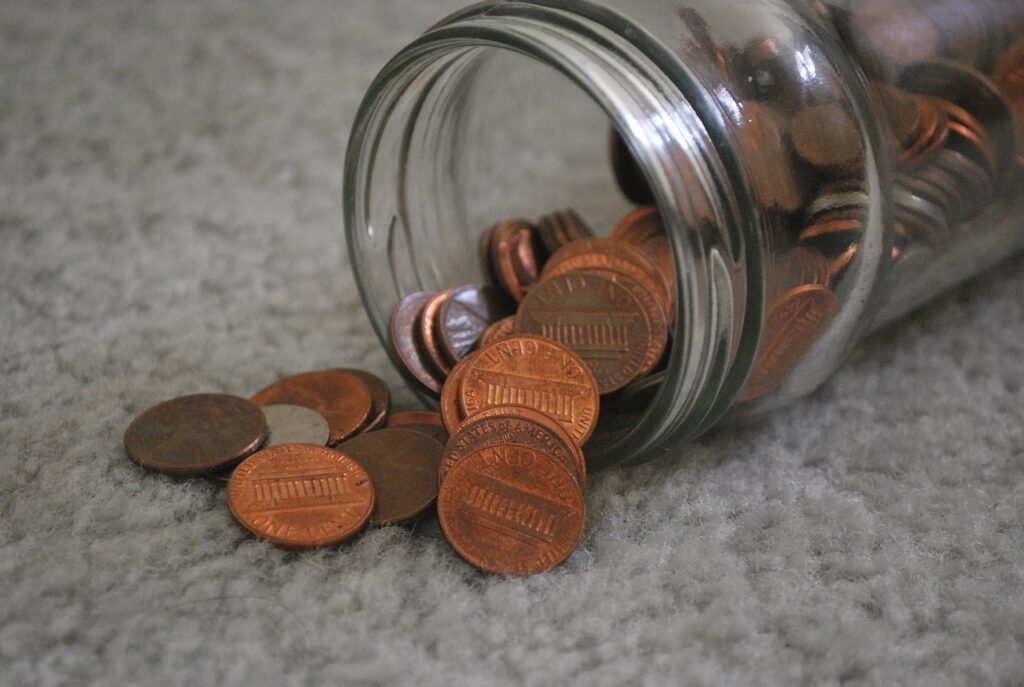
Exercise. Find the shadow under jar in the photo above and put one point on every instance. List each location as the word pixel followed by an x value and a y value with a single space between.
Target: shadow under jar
pixel 821 168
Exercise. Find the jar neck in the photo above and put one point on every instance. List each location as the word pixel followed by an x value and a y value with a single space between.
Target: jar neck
pixel 661 111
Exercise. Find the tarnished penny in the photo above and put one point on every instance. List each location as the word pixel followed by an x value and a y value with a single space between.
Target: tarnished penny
pixel 536 373
pixel 793 324
pixel 559 229
pixel 439 434
pixel 603 320
pixel 516 256
pixel 295 425
pixel 429 333
pixel 827 136
pixel 499 331
pixel 505 425
pixel 195 434
pixel 451 410
pixel 301 496
pixel 628 173
pixel 403 466
pixel 511 510
pixel 414 417
pixel 379 392
pixel 343 399
pixel 465 317
pixel 403 338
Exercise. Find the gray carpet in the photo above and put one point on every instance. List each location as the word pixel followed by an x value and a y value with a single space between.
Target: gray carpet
pixel 169 223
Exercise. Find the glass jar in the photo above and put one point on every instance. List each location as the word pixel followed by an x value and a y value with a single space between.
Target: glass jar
pixel 821 168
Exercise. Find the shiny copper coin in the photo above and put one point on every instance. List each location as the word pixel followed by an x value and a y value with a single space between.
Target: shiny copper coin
pixel 429 333
pixel 379 393
pixel 451 410
pixel 465 317
pixel 505 425
pixel 762 137
pixel 511 510
pixel 640 225
pixel 536 373
pixel 403 466
pixel 559 229
pixel 604 319
pixel 195 434
pixel 414 417
pixel 645 229
pixel 516 255
pixel 499 331
pixel 301 496
pixel 403 338
pixel 295 425
pixel 793 325
pixel 343 399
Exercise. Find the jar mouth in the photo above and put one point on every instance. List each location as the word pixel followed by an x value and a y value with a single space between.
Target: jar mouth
pixel 410 115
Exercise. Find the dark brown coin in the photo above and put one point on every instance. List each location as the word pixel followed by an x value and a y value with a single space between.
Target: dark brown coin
pixel 827 136
pixel 628 173
pixel 536 373
pixel 505 425
pixel 465 317
pixel 195 434
pixel 451 409
pixel 559 229
pixel 499 331
pixel 886 34
pixel 602 319
pixel 793 325
pixel 403 337
pixel 295 425
pixel 403 465
pixel 516 255
pixel 414 417
pixel 440 434
pixel 301 496
pixel 511 510
pixel 343 399
pixel 429 334
pixel 379 393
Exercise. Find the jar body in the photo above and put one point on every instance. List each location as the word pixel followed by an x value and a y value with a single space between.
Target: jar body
pixel 819 173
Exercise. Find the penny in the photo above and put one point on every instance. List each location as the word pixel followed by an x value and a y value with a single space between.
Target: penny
pixel 793 325
pixel 403 466
pixel 559 229
pixel 505 425
pixel 827 136
pixel 465 317
pixel 628 173
pixel 429 333
pixel 645 229
pixel 499 331
pixel 439 434
pixel 295 425
pixel 515 253
pixel 380 395
pixel 762 138
pixel 195 434
pixel 301 496
pixel 605 320
pixel 511 510
pixel 640 225
pixel 343 399
pixel 451 411
pixel 402 336
pixel 414 417
pixel 536 373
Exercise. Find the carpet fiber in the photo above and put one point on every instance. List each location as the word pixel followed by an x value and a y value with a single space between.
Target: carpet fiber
pixel 170 223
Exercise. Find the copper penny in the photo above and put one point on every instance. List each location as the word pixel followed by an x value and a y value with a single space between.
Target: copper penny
pixel 295 425
pixel 195 434
pixel 511 510
pixel 301 496
pixel 516 256
pixel 559 229
pixel 762 138
pixel 793 325
pixel 466 315
pixel 605 320
pixel 499 331
pixel 414 417
pixel 429 334
pixel 827 136
pixel 505 425
pixel 536 373
pixel 439 434
pixel 403 466
pixel 403 338
pixel 379 392
pixel 645 229
pixel 343 399
pixel 451 410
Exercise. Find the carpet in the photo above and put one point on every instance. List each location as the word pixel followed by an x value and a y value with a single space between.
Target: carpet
pixel 170 223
